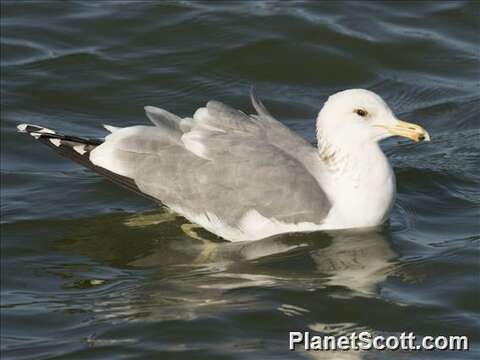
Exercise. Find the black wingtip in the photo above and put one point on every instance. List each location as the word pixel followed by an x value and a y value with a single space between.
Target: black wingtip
pixel 29 128
pixel 77 149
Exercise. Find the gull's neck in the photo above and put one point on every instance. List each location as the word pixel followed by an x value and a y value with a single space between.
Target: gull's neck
pixel 360 180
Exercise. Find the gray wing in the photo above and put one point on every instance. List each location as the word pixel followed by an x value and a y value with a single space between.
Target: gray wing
pixel 221 162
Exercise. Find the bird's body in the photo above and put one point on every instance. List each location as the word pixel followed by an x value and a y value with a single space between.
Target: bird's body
pixel 246 177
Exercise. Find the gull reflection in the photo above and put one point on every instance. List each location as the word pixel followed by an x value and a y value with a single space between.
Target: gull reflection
pixel 356 260
pixel 166 274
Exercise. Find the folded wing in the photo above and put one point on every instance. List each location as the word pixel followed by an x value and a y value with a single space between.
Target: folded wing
pixel 240 176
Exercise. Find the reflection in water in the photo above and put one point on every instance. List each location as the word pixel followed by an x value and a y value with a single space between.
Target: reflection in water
pixel 117 270
pixel 187 277
pixel 358 261
pixel 146 269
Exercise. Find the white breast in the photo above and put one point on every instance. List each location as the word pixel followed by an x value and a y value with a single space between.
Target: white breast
pixel 363 191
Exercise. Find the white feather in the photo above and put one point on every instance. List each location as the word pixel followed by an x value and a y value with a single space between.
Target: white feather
pixel 193 142
pixel 22 127
pixel 80 149
pixel 55 142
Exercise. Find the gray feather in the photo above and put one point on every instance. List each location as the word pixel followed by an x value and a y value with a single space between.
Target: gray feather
pixel 162 118
pixel 243 167
pixel 259 107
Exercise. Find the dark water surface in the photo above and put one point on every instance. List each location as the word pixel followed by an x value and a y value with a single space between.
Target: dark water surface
pixel 90 271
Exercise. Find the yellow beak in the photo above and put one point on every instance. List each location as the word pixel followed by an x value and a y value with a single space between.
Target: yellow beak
pixel 412 131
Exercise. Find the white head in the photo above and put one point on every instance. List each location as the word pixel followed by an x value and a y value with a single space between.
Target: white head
pixel 359 117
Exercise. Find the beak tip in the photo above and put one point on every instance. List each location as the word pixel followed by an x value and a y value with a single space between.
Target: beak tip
pixel 411 131
pixel 425 137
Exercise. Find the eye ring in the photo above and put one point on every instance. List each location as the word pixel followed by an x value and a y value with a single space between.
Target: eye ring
pixel 361 112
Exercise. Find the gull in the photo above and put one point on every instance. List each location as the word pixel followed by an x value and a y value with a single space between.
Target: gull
pixel 248 177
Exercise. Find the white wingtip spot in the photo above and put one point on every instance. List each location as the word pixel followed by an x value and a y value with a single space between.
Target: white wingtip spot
pixel 55 142
pixel 80 149
pixel 22 127
pixel 36 135
pixel 47 131
pixel 35 128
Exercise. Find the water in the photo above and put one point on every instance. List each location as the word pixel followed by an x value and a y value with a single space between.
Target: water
pixel 90 271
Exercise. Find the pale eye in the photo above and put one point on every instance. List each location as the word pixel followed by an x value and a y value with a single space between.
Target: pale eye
pixel 361 112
